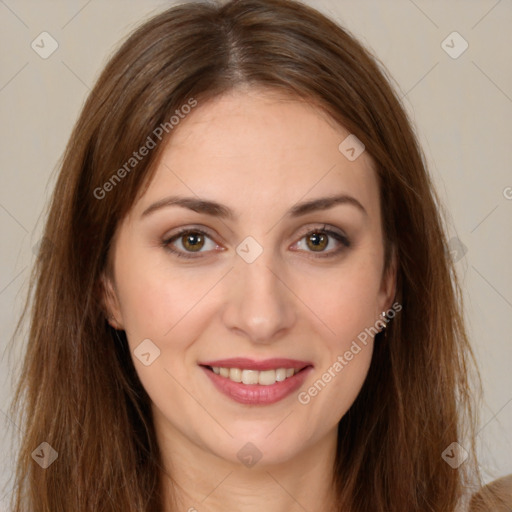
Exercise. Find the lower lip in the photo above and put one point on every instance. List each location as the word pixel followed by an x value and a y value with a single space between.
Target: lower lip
pixel 256 394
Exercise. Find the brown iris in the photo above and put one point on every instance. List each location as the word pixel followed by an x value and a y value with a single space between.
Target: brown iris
pixel 317 241
pixel 193 241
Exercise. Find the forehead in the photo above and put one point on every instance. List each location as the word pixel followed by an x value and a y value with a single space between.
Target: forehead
pixel 259 150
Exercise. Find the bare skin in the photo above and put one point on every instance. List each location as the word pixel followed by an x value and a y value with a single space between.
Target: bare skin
pixel 258 154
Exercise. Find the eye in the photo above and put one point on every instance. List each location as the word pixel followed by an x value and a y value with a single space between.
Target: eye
pixel 189 241
pixel 318 240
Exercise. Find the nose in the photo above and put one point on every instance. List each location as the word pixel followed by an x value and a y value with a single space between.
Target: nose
pixel 261 306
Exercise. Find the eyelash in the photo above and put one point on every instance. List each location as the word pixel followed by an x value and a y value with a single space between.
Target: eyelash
pixel 342 239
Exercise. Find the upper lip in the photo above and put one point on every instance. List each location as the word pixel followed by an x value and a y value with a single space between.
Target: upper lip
pixel 251 364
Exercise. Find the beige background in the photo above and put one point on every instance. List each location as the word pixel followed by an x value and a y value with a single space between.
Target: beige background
pixel 462 109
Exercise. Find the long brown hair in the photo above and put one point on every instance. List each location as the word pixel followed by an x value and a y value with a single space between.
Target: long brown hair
pixel 78 390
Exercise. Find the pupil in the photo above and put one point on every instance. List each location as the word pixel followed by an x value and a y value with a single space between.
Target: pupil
pixel 318 241
pixel 193 241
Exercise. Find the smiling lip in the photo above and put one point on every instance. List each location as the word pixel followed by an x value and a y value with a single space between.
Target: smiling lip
pixel 251 364
pixel 257 394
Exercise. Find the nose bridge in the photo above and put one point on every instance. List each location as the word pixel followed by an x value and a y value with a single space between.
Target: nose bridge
pixel 260 305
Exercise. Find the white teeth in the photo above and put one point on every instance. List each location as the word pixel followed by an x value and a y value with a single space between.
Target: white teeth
pixel 267 378
pixel 280 374
pixel 263 378
pixel 250 376
pixel 235 374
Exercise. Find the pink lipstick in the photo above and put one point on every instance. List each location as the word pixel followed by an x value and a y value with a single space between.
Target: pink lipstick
pixel 252 382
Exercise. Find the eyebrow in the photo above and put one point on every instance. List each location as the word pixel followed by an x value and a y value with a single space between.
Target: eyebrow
pixel 219 210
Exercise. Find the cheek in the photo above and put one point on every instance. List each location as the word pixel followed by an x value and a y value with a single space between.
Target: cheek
pixel 152 299
pixel 345 353
pixel 346 305
pixel 170 310
pixel 346 300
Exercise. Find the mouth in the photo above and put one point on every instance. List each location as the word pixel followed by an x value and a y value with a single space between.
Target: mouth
pixel 257 382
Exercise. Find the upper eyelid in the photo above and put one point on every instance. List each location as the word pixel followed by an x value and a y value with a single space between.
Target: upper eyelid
pixel 185 230
pixel 321 226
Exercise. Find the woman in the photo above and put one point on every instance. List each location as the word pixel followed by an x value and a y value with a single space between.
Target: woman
pixel 246 299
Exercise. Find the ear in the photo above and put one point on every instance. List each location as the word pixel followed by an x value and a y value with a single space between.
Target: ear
pixel 109 301
pixel 388 285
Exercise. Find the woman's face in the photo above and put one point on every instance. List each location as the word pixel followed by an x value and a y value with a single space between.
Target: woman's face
pixel 279 280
